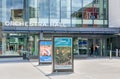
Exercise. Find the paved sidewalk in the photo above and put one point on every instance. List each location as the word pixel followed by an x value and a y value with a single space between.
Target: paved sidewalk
pixel 93 68
pixel 90 68
pixel 17 68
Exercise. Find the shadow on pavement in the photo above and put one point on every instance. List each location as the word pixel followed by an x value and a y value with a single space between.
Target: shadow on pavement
pixel 12 60
pixel 59 73
pixel 42 65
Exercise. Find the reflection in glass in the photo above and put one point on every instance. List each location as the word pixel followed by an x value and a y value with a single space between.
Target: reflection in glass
pixel 0 10
pixel 54 12
pixel 33 9
pixel 0 3
pixel 76 13
pixel 43 12
pixel 65 13
pixel 88 13
pixel 12 10
pixel 105 12
pixel 99 12
pixel 88 9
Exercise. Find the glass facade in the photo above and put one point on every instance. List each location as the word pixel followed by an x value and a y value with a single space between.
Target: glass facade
pixel 77 13
pixel 62 13
pixel 49 13
pixel 14 10
pixel 0 27
pixel 0 11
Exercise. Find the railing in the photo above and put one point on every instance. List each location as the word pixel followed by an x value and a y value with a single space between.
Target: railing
pixel 116 52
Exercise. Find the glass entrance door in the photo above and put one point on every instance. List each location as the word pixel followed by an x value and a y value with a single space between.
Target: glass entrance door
pixel 96 46
pixel 83 46
pixel 92 46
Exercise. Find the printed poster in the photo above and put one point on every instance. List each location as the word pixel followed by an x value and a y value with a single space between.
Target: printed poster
pixel 63 53
pixel 45 51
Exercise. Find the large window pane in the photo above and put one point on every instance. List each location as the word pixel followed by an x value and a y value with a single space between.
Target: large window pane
pixel 54 12
pixel 65 13
pixel 79 13
pixel 98 13
pixel 33 12
pixel 105 13
pixel 98 9
pixel 33 8
pixel 0 10
pixel 65 19
pixel 43 12
pixel 76 13
pixel 13 11
pixel 0 3
pixel 88 13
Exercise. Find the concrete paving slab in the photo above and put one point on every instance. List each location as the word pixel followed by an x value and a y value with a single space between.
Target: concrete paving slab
pixel 17 68
pixel 95 68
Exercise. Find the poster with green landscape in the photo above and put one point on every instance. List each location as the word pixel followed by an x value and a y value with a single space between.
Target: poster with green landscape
pixel 63 53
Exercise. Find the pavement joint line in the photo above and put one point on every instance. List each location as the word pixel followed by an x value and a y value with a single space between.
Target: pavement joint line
pixel 40 70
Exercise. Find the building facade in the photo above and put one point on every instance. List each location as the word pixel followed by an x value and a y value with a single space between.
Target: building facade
pixel 24 22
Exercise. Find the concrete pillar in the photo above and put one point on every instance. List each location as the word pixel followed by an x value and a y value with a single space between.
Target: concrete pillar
pixel 41 36
pixel 4 44
pixel 110 54
pixel 36 45
pixel 104 44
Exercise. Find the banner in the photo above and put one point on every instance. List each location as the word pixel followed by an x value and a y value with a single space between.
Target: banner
pixel 63 59
pixel 45 51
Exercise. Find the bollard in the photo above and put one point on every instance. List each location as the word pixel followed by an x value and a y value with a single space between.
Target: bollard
pixel 24 56
pixel 116 52
pixel 119 52
pixel 110 54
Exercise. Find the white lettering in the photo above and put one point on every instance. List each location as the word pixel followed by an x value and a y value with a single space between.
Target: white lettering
pixel 7 23
pixel 11 23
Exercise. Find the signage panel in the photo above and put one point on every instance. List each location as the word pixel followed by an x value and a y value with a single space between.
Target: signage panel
pixel 62 54
pixel 45 51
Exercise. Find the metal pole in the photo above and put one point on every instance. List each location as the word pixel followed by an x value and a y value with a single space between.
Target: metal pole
pixel 119 52
pixel 110 54
pixel 116 52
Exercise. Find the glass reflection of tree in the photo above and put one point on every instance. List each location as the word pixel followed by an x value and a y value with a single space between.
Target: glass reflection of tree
pixel 83 11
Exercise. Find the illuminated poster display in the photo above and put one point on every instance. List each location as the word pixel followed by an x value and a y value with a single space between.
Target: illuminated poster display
pixel 45 51
pixel 62 54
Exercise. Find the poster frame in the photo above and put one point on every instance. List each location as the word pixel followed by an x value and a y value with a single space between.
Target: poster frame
pixel 53 59
pixel 39 52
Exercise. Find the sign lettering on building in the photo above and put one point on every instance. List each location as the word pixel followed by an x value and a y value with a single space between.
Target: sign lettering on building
pixel 11 23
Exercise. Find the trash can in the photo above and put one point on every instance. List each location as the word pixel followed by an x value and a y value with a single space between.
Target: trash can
pixel 24 56
pixel 27 55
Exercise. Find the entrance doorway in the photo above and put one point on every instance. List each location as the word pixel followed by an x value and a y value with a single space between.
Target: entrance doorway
pixel 91 46
pixel 94 47
pixel 83 46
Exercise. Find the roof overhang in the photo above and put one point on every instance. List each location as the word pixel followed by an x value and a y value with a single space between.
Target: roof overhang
pixel 21 29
